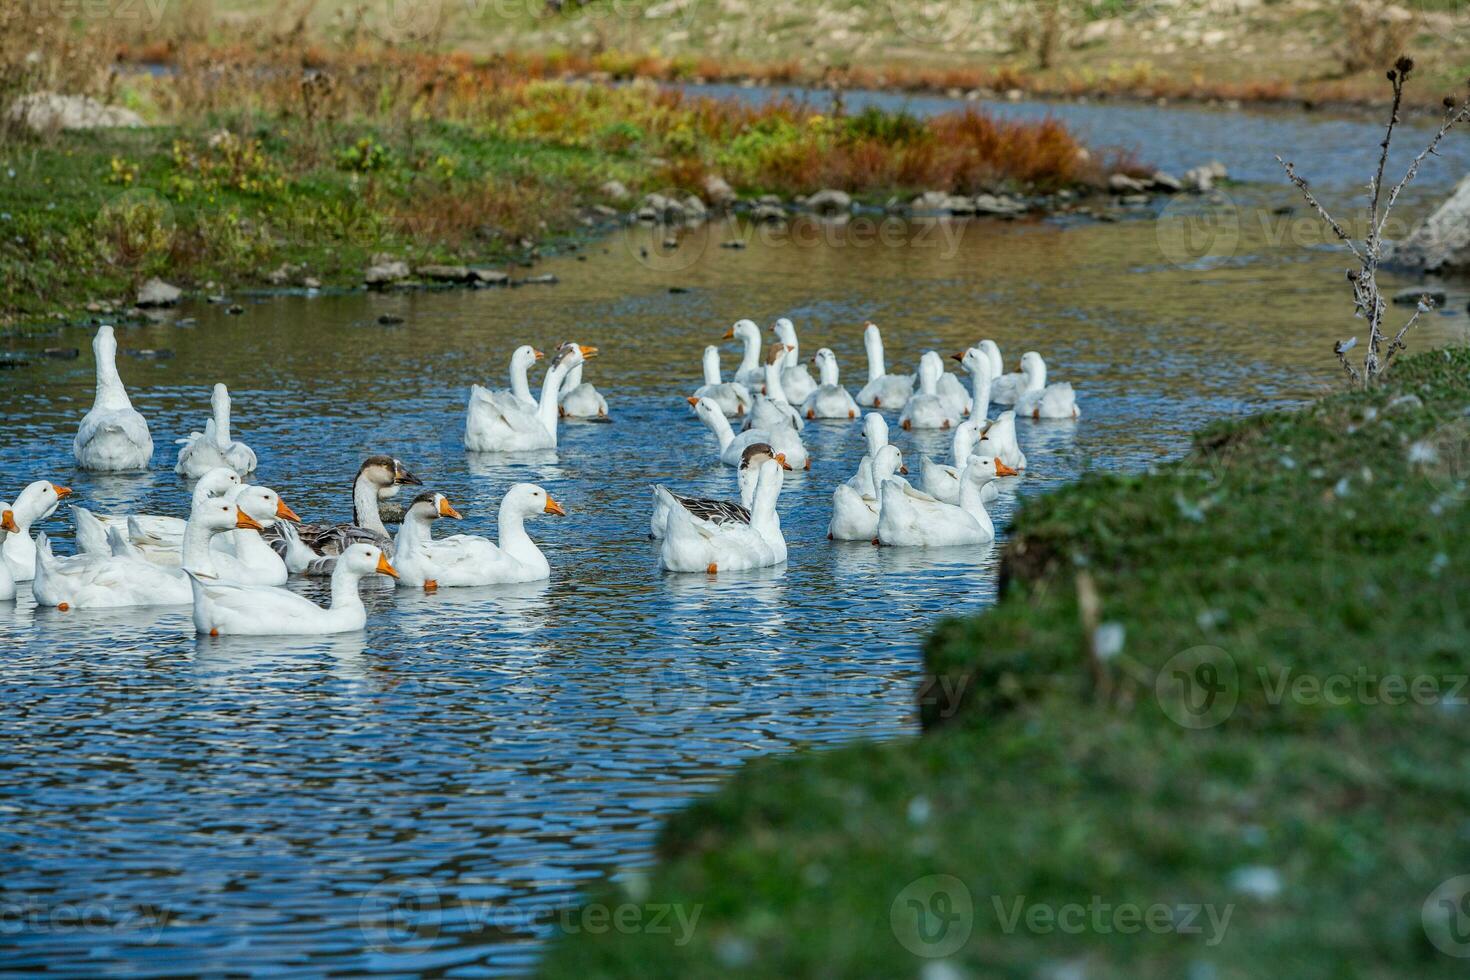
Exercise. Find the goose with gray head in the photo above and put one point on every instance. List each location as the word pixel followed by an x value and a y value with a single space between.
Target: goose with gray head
pixel 113 437
pixel 326 541
pixel 215 447
pixel 709 508
pixel 466 560
pixel 494 425
pixel 732 543
pixel 732 396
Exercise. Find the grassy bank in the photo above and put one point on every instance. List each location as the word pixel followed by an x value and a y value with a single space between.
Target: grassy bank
pixel 1291 50
pixel 1215 727
pixel 317 160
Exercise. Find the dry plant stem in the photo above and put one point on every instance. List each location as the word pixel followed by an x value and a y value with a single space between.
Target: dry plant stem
pixel 1367 297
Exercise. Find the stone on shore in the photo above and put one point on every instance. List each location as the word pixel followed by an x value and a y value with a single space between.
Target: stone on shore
pixel 991 204
pixel 492 277
pixel 156 292
pixel 385 272
pixel 45 111
pixel 615 190
pixel 830 202
pixel 445 273
pixel 1165 182
pixel 718 192
pixel 1124 184
pixel 1441 242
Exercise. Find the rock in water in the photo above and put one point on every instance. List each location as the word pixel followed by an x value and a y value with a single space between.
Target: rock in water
pixel 156 292
pixel 1442 240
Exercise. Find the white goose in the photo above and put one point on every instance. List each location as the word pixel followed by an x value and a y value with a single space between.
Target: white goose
pixel 709 508
pixel 1005 388
pixel 519 392
pixel 1002 435
pixel 122 579
pixel 914 519
pixel 829 400
pixel 943 482
pixel 497 425
pixel 581 399
pixel 783 439
pixel 465 560
pixel 926 409
pixel 158 539
pixel 7 528
pixel 242 557
pixel 772 407
pixel 951 391
pixel 883 390
pixel 854 514
pixel 697 544
pixel 214 448
pixel 978 365
pixel 750 373
pixel 1039 400
pixel 875 433
pixel 243 610
pixel 732 396
pixel 36 503
pixel 113 437
pixel 794 376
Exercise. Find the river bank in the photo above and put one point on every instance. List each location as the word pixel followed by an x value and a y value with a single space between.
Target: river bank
pixel 1212 726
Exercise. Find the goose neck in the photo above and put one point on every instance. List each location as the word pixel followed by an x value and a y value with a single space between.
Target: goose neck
pixel 365 506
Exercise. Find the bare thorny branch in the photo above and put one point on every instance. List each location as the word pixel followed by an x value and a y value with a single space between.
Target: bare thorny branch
pixel 1367 297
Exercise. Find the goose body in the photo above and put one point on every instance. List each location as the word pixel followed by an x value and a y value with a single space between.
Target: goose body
pixel 580 399
pixel 1039 400
pixel 36 503
pixel 855 514
pixel 732 397
pixel 325 542
pixel 243 610
pixel 913 519
pixel 505 425
pixel 466 560
pixel 7 528
pixel 883 390
pixel 926 409
pixel 828 400
pixel 875 433
pixel 709 508
pixel 943 481
pixel 772 407
pixel 122 579
pixel 698 544
pixel 1002 435
pixel 113 437
pixel 242 557
pixel 795 378
pixel 158 539
pixel 782 438
pixel 214 447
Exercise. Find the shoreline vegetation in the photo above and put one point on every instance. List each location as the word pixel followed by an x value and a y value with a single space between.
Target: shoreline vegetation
pixel 1213 726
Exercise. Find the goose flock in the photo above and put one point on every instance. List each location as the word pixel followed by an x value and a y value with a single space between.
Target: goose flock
pixel 232 556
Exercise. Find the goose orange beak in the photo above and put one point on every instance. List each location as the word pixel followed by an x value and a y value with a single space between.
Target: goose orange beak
pixel 552 507
pixel 958 357
pixel 781 458
pixel 286 513
pixel 903 470
pixel 245 522
pixel 692 401
pixel 1001 469
pixel 587 351
pixel 384 568
pixel 446 510
pixel 7 521
pixel 539 354
pixel 729 334
pixel 61 492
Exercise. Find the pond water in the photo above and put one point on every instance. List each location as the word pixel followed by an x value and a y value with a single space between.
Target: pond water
pixel 424 795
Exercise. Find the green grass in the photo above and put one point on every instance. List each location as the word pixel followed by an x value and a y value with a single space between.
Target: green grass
pixel 1302 549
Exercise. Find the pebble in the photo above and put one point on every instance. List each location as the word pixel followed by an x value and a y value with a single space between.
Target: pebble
pixel 150 353
pixel 390 319
pixel 235 309
pixel 62 353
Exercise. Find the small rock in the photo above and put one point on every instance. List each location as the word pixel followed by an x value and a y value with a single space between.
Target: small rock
pixel 150 354
pixel 445 273
pixel 662 209
pixel 234 309
pixel 694 209
pixel 1411 297
pixel 546 280
pixel 1167 183
pixel 1124 184
pixel 156 292
pixel 1134 200
pixel 390 319
pixel 603 211
pixel 771 201
pixel 678 290
pixel 280 276
pixel 1405 403
pixel 991 204
pixel 62 353
pixel 767 214
pixel 734 243
pixel 830 202
pixel 1199 180
pixel 311 283
pixel 95 307
pixel 615 190
pixel 955 204
pixel 718 192
pixel 385 273
pixel 187 321
pixel 216 299
pixel 46 111
pixel 933 201
pixel 10 359
pixel 671 242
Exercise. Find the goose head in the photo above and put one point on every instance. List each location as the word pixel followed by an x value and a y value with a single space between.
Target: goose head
pixel 875 431
pixel 887 462
pixel 529 500
pixel 37 502
pixel 217 515
pixel 387 474
pixel 217 482
pixel 756 454
pixel 1034 368
pixel 711 365
pixel 431 506
pixel 362 560
pixel 219 400
pixel 707 410
pixel 974 361
pixel 785 331
pixel 746 332
pixel 265 506
pixel 523 357
pixel 570 355
pixel 983 469
pixel 104 344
